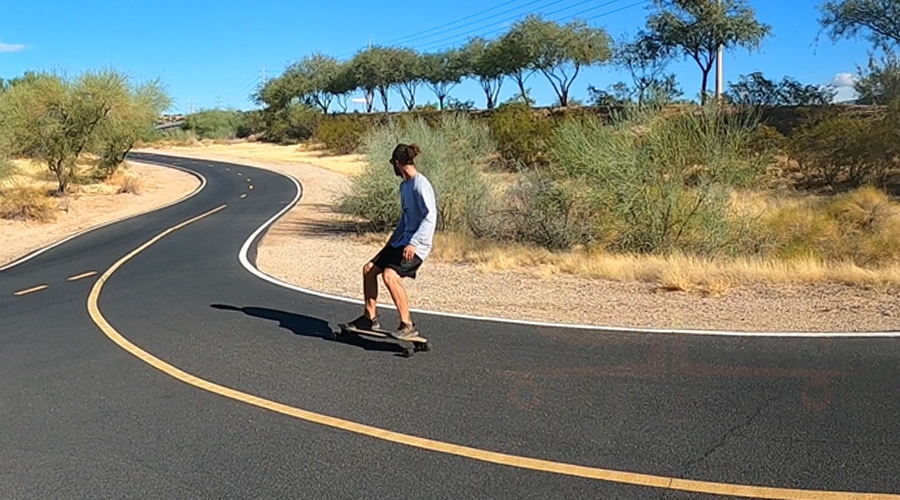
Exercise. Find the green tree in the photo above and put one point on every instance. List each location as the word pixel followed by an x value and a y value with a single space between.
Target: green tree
pixel 519 46
pixel 879 83
pixel 756 90
pixel 275 94
pixel 559 52
pixel 697 28
pixel 880 19
pixel 442 71
pixel 131 120
pixel 374 70
pixel 646 61
pixel 409 73
pixel 343 85
pixel 55 120
pixel 483 60
pixel 312 77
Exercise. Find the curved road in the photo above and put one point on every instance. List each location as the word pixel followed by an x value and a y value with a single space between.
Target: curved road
pixel 268 406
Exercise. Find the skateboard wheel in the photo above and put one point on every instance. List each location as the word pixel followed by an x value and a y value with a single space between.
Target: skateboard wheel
pixel 424 347
pixel 408 352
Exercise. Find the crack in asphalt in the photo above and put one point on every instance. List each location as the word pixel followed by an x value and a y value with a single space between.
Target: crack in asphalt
pixel 690 465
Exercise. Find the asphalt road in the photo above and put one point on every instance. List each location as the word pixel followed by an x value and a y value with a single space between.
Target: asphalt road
pixel 80 417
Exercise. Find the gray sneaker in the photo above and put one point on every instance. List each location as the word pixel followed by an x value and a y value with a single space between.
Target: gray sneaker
pixel 364 323
pixel 405 332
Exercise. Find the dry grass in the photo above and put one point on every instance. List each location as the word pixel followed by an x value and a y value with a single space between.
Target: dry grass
pixel 313 154
pixel 27 202
pixel 712 277
pixel 125 182
pixel 28 194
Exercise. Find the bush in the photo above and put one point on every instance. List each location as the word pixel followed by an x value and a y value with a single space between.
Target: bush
pixel 654 184
pixel 214 124
pixel 845 152
pixel 521 135
pixel 342 135
pixel 26 203
pixel 453 155
pixel 253 123
pixel 291 125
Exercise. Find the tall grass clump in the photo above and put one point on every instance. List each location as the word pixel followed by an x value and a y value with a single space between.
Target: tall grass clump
pixel 860 227
pixel 647 183
pixel 454 152
pixel 6 167
pixel 26 202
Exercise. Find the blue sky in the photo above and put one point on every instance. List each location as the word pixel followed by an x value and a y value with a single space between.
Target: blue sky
pixel 213 53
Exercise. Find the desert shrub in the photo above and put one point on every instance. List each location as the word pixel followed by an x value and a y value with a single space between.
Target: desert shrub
pixel 170 136
pixel 26 203
pixel 520 134
pixel 844 151
pixel 766 140
pixel 656 184
pixel 552 213
pixel 214 124
pixel 126 182
pixel 453 154
pixel 341 134
pixel 292 124
pixel 253 123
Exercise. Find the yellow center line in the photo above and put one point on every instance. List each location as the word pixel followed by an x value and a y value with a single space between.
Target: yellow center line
pixel 648 480
pixel 81 276
pixel 31 290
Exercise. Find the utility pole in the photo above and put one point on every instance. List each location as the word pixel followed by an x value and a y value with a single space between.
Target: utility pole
pixel 720 82
pixel 370 95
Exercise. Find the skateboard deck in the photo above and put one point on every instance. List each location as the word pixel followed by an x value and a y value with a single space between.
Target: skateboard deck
pixel 418 343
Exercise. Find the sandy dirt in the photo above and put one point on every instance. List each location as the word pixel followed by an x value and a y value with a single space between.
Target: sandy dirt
pixel 89 206
pixel 332 256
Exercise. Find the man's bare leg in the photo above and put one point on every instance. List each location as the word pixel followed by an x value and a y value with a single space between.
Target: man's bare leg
pixel 398 294
pixel 370 288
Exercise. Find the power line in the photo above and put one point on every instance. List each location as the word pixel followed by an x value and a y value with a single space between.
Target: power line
pixel 451 23
pixel 411 38
pixel 642 2
pixel 436 44
pixel 581 3
pixel 487 18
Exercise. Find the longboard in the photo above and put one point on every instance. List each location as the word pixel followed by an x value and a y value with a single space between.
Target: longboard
pixel 418 343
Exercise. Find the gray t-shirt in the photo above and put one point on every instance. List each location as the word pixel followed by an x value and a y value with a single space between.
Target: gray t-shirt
pixel 419 219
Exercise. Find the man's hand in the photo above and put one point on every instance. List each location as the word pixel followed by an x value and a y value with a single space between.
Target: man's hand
pixel 409 252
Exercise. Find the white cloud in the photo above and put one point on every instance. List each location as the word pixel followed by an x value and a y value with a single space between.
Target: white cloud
pixel 843 80
pixel 845 94
pixel 10 47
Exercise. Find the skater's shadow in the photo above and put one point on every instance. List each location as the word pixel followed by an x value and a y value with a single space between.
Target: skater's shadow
pixel 310 327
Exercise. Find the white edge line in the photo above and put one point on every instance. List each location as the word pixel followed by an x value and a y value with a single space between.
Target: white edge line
pixel 39 251
pixel 242 256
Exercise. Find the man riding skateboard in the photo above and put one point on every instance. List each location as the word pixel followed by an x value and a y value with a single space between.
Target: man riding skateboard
pixel 407 248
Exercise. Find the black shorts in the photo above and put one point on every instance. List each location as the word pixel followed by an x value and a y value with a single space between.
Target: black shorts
pixel 392 258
